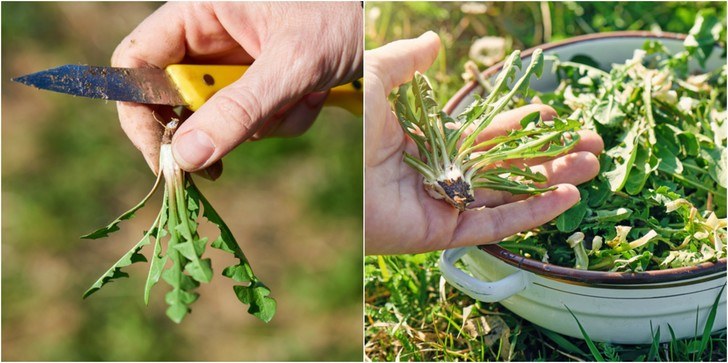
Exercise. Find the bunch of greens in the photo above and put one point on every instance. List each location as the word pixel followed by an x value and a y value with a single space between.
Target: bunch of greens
pixel 659 200
pixel 181 264
pixel 451 159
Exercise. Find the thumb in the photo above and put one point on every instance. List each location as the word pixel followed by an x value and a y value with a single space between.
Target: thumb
pixel 239 110
pixel 396 62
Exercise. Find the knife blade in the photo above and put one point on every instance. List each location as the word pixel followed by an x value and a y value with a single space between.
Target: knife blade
pixel 141 85
pixel 177 85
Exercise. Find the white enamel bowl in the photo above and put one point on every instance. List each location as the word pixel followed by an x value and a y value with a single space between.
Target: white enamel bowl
pixel 623 308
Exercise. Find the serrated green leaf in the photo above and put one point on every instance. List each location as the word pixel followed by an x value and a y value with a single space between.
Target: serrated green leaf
pixel 532 117
pixel 225 241
pixel 611 216
pixel 155 271
pixel 669 163
pixel 641 170
pixel 689 143
pixel 702 36
pixel 623 156
pixel 200 269
pixel 177 312
pixel 607 112
pixel 221 244
pixel 192 249
pixel 113 273
pixel 181 295
pixel 114 225
pixel 718 166
pixel 239 273
pixel 570 220
pixel 656 154
pixel 538 68
pixel 261 305
pixel 256 294
pixel 158 261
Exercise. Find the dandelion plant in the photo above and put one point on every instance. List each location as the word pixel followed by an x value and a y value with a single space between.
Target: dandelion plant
pixel 454 162
pixel 180 263
pixel 659 200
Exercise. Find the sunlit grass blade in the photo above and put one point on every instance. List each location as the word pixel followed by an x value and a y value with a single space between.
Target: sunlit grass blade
pixel 655 346
pixel 710 321
pixel 562 342
pixel 592 347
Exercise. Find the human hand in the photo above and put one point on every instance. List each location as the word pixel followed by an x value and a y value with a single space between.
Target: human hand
pixel 300 51
pixel 402 218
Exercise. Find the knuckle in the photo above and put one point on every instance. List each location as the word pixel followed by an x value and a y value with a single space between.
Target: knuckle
pixel 118 55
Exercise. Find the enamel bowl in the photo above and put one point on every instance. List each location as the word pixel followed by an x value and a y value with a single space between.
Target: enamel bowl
pixel 615 307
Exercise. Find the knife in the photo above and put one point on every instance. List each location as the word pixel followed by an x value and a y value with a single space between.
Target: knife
pixel 177 85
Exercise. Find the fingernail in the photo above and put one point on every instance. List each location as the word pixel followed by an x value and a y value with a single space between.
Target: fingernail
pixel 315 99
pixel 427 33
pixel 192 149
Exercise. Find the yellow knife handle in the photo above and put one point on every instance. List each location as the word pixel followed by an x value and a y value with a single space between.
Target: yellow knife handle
pixel 197 83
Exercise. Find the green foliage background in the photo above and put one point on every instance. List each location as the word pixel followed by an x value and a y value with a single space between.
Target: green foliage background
pixel 409 315
pixel 295 205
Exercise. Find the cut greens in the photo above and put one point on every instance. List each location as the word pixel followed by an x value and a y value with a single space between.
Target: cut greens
pixel 181 263
pixel 451 159
pixel 659 200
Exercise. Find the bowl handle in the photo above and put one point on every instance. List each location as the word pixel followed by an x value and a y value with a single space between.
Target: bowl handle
pixel 478 289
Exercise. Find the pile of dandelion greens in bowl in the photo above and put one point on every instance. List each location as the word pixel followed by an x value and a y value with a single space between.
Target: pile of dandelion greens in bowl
pixel 659 200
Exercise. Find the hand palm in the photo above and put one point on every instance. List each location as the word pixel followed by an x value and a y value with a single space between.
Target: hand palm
pixel 402 217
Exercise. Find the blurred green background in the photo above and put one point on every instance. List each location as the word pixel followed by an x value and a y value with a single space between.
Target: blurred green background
pixel 521 24
pixel 295 205
pixel 411 314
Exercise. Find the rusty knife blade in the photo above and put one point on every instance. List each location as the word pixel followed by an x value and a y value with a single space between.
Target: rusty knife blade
pixel 141 85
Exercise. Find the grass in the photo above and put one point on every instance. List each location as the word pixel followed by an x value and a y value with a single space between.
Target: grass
pixel 411 314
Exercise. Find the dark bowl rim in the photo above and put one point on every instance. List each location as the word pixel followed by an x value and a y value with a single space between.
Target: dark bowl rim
pixel 571 274
pixel 568 273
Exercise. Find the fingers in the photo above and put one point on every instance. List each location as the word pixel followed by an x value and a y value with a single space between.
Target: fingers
pixel 166 37
pixel 141 49
pixel 574 168
pixel 295 118
pixel 388 67
pixel 176 31
pixel 395 63
pixel 238 111
pixel 300 118
pixel 490 225
pixel 276 78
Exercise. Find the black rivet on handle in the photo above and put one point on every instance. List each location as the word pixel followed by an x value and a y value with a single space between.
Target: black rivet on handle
pixel 356 84
pixel 208 80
